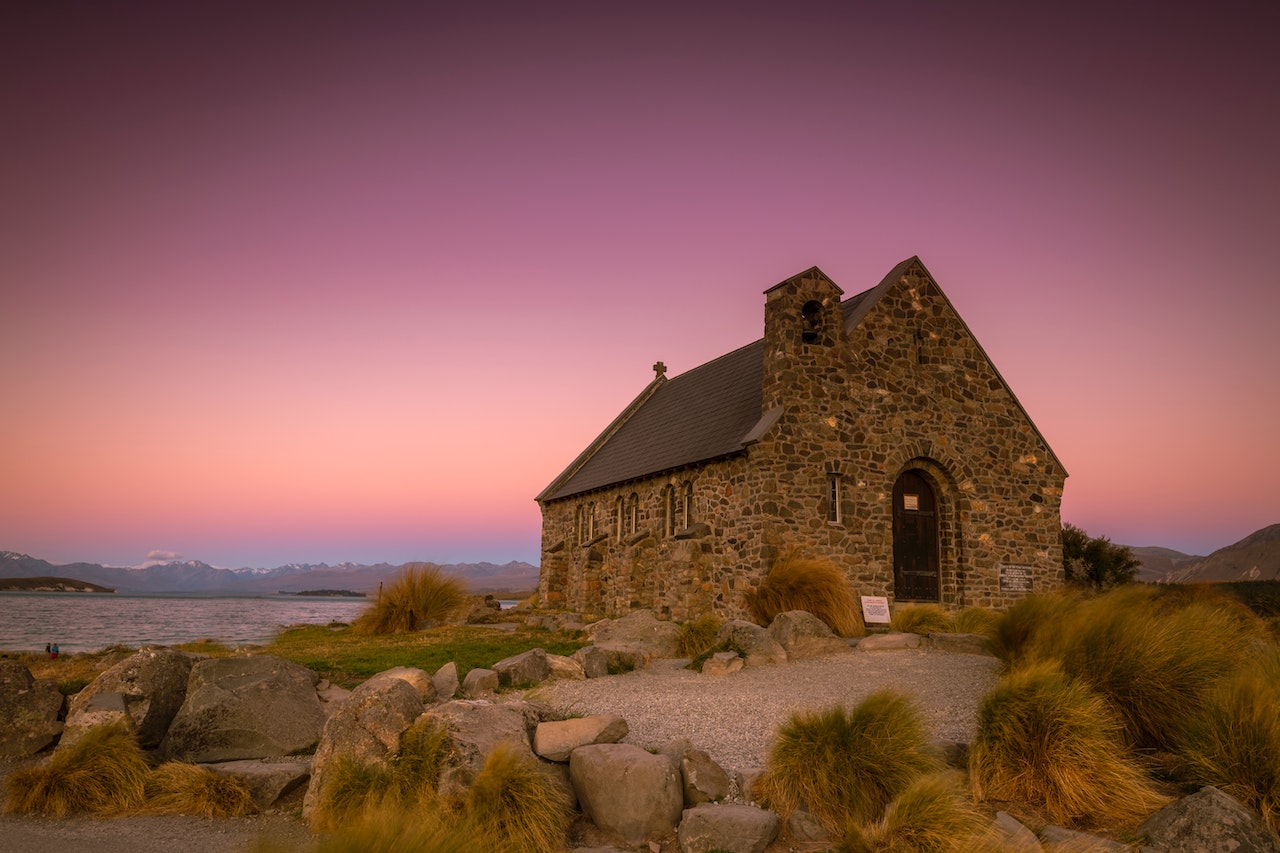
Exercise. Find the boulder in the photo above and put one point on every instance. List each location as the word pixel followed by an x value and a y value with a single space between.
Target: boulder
pixel 723 663
pixel 746 782
pixel 728 828
pixel 479 682
pixel 366 729
pixel 1013 837
pixel 623 789
pixel 1209 821
pixel 446 681
pixel 417 678
pixel 473 728
pixel 30 708
pixel 555 740
pixel 529 667
pixel 102 709
pixel 888 642
pixel 757 646
pixel 803 635
pixel 565 668
pixel 702 779
pixel 245 707
pixel 153 684
pixel 593 661
pixel 638 631
pixel 268 780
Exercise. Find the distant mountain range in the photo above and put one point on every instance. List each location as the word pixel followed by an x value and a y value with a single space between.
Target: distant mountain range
pixel 194 576
pixel 1255 557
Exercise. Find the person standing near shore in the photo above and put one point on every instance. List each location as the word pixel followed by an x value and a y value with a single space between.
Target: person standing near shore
pixel 53 653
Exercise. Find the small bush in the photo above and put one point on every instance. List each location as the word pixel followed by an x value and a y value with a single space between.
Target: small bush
pixel 698 635
pixel 180 788
pixel 930 816
pixel 408 780
pixel 817 586
pixel 847 765
pixel 1233 741
pixel 1017 627
pixel 1049 740
pixel 524 808
pixel 104 773
pixel 922 619
pixel 975 620
pixel 1155 654
pixel 417 595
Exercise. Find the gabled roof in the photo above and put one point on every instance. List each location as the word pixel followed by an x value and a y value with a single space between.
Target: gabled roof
pixel 709 412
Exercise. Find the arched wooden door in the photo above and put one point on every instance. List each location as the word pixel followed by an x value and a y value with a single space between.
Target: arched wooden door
pixel 915 539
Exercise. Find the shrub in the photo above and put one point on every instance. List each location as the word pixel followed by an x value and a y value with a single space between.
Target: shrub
pixel 409 779
pixel 930 816
pixel 920 619
pixel 416 595
pixel 698 635
pixel 818 586
pixel 847 765
pixel 1015 628
pixel 524 808
pixel 103 773
pixel 1095 562
pixel 975 620
pixel 1049 740
pixel 1233 740
pixel 180 788
pixel 1154 654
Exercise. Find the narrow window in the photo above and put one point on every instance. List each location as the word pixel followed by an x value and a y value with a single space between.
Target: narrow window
pixel 577 525
pixel 833 498
pixel 668 511
pixel 811 315
pixel 686 507
pixel 587 530
pixel 633 514
pixel 618 510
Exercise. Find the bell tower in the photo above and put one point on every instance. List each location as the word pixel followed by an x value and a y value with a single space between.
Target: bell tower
pixel 803 327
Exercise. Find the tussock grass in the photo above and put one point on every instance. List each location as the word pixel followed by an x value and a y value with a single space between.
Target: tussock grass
pixel 818 586
pixel 1155 654
pixel 921 619
pixel 353 791
pixel 847 765
pixel 180 788
pixel 1016 628
pixel 1233 741
pixel 698 635
pixel 524 808
pixel 393 830
pixel 104 773
pixel 931 816
pixel 975 620
pixel 1047 739
pixel 416 595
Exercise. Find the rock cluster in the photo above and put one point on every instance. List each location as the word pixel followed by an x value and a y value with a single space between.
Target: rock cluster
pixel 256 716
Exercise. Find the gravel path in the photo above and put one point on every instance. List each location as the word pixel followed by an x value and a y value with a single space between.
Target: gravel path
pixel 734 717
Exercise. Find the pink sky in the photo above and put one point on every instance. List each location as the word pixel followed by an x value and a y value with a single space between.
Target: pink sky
pixel 311 282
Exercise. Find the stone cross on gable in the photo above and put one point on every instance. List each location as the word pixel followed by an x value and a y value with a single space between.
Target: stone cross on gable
pixel 660 369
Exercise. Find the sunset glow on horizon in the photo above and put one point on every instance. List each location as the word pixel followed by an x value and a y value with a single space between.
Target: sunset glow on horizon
pixel 323 282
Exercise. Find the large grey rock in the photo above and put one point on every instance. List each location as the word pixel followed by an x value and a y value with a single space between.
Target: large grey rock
pixel 593 661
pixel 555 740
pixel 29 708
pixel 419 679
pixel 803 635
pixel 1209 821
pixel 638 631
pixel 479 682
pixel 446 681
pixel 758 647
pixel 268 780
pixel 1013 836
pixel 474 727
pixel 730 828
pixel 245 707
pixel 525 668
pixel 153 685
pixel 623 789
pixel 888 642
pixel 366 728
pixel 564 668
pixel 102 709
pixel 702 779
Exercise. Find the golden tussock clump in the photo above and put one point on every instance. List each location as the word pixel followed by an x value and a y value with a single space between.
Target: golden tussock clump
pixel 104 773
pixel 816 586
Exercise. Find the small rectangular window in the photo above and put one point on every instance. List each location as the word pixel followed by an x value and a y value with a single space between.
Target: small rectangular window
pixel 833 498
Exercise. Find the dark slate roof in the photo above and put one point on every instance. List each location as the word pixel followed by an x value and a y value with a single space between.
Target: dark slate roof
pixel 702 414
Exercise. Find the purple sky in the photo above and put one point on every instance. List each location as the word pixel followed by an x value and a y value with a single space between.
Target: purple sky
pixel 320 282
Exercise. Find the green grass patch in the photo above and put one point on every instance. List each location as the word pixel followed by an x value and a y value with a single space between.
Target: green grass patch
pixel 347 658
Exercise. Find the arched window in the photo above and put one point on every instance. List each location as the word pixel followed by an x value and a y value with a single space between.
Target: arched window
pixel 619 511
pixel 668 511
pixel 686 507
pixel 633 514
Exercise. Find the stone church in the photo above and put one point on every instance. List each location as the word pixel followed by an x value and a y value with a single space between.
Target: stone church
pixel 873 431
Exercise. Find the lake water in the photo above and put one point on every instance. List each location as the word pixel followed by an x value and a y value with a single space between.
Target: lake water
pixel 86 622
